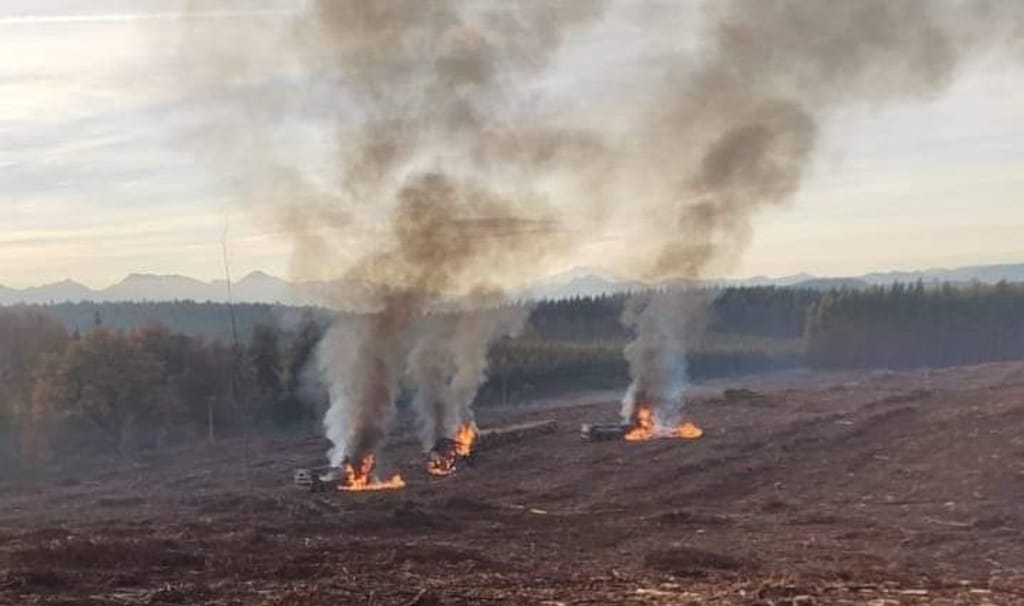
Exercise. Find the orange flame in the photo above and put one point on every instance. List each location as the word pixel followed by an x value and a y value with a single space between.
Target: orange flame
pixel 443 463
pixel 688 431
pixel 464 439
pixel 645 427
pixel 359 477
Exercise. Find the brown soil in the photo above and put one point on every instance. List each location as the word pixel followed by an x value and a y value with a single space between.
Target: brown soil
pixel 884 488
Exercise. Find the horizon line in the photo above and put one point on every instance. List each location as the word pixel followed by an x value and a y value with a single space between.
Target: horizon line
pixel 614 277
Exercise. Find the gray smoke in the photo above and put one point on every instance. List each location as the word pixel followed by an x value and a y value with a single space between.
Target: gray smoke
pixel 475 330
pixel 448 363
pixel 430 368
pixel 440 163
pixel 422 147
pixel 737 132
pixel 361 360
pixel 656 356
pixel 664 323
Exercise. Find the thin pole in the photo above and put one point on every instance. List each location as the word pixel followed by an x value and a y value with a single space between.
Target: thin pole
pixel 236 358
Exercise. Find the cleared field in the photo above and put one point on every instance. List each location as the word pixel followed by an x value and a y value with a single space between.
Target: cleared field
pixel 885 488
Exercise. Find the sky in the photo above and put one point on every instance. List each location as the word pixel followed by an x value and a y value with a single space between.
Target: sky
pixel 97 180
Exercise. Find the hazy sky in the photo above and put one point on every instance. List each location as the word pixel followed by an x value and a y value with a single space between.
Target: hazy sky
pixel 97 182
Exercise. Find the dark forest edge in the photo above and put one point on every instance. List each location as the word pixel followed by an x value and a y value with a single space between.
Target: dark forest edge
pixel 128 377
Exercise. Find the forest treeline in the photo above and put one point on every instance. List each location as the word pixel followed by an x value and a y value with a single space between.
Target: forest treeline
pixel 759 311
pixel 124 377
pixel 911 325
pixel 114 391
pixel 191 318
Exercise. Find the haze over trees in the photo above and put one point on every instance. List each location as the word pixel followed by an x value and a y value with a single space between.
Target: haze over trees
pixel 110 378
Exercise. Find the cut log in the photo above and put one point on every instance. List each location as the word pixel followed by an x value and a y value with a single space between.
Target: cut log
pixel 606 431
pixel 514 433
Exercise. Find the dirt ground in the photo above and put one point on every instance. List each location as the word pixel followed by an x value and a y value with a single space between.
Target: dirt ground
pixel 881 488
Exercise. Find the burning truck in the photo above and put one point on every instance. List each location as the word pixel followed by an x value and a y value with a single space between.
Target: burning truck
pixel 642 424
pixel 447 457
pixel 448 454
pixel 352 476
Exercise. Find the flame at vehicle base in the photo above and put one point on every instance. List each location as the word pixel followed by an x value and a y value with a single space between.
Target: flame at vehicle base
pixel 359 476
pixel 645 427
pixel 444 458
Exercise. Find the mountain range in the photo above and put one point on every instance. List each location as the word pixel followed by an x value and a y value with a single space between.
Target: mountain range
pixel 260 287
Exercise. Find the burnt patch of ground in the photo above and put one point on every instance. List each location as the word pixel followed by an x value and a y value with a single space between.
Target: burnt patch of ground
pixel 886 488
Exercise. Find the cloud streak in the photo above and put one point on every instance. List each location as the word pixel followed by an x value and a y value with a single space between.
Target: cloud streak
pixel 130 18
pixel 81 135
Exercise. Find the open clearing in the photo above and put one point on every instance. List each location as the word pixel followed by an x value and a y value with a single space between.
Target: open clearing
pixel 882 488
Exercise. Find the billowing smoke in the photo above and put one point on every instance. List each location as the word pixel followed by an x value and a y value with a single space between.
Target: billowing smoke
pixel 431 367
pixel 448 363
pixel 423 150
pixel 431 196
pixel 361 361
pixel 474 332
pixel 737 132
pixel 664 322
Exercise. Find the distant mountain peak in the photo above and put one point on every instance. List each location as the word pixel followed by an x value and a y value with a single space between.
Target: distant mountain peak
pixel 145 277
pixel 64 282
pixel 261 287
pixel 262 276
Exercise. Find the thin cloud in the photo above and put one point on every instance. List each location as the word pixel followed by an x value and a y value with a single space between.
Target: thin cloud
pixel 18 20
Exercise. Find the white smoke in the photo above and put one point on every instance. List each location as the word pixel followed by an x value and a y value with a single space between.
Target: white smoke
pixel 448 364
pixel 663 322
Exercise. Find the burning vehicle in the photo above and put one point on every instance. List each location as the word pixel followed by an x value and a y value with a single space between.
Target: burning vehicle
pixel 643 424
pixel 448 454
pixel 443 460
pixel 359 475
pixel 352 476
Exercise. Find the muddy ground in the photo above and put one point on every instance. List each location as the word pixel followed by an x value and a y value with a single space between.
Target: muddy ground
pixel 882 488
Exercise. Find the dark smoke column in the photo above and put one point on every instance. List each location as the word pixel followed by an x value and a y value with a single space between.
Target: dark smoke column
pixel 737 132
pixel 429 156
pixel 361 360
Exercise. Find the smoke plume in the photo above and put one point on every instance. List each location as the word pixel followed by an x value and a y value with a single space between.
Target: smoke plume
pixel 738 131
pixel 361 360
pixel 424 150
pixel 664 323
pixel 430 368
pixel 430 164
pixel 474 332
pixel 448 363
